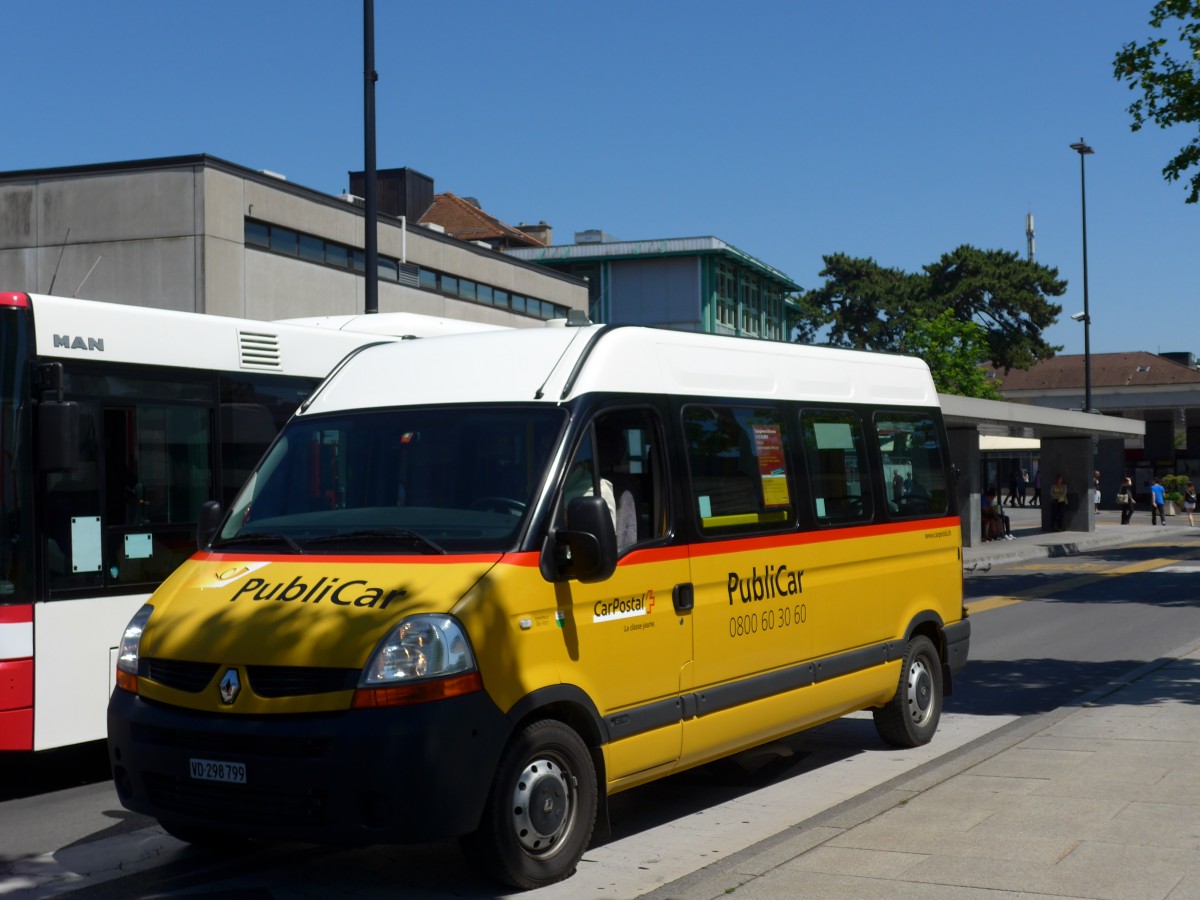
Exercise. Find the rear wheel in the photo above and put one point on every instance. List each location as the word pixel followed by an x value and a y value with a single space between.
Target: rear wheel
pixel 541 810
pixel 911 717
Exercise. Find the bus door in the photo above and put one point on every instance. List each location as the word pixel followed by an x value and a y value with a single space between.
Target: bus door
pixel 632 646
pixel 752 631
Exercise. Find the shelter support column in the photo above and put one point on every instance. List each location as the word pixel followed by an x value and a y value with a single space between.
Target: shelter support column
pixel 1073 458
pixel 1110 460
pixel 964 454
pixel 1191 416
pixel 1160 440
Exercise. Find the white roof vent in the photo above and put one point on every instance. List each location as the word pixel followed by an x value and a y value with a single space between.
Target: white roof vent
pixel 259 350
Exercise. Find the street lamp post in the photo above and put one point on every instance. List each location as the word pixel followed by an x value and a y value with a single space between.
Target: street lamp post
pixel 1084 150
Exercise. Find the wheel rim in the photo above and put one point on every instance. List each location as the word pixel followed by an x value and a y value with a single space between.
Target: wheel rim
pixel 919 696
pixel 542 806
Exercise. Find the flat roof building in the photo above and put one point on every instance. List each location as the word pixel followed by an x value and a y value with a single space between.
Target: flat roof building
pixel 200 234
pixel 691 284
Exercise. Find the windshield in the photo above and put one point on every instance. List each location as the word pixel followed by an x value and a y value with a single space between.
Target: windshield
pixel 417 481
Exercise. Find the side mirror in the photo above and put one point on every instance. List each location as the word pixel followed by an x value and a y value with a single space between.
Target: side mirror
pixel 587 551
pixel 58 435
pixel 210 520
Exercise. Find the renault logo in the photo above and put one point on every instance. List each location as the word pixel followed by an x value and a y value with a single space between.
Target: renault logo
pixel 229 687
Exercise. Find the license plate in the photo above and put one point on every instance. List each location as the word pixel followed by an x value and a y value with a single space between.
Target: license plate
pixel 213 770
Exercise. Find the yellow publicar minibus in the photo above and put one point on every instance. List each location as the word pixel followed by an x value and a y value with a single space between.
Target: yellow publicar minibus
pixel 481 583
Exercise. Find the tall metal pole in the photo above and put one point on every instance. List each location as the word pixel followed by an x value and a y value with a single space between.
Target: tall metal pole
pixel 1084 150
pixel 371 241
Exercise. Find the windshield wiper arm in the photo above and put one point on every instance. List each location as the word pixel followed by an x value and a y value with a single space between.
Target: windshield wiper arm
pixel 261 537
pixel 390 535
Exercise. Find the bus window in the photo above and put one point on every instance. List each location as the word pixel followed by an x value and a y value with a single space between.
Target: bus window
pixel 739 471
pixel 837 466
pixel 914 473
pixel 621 453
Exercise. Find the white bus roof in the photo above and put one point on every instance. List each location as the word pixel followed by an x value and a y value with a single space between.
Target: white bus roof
pixel 397 324
pixel 68 328
pixel 556 364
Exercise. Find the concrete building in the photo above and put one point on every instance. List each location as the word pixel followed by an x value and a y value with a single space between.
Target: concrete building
pixel 693 284
pixel 200 234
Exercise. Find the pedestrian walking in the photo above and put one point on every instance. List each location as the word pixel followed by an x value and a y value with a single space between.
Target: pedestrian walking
pixel 1189 502
pixel 1125 500
pixel 1058 502
pixel 1025 486
pixel 1157 503
pixel 1096 490
pixel 1037 489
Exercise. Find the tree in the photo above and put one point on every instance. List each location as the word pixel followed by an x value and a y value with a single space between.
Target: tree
pixel 870 307
pixel 953 349
pixel 1006 295
pixel 1170 87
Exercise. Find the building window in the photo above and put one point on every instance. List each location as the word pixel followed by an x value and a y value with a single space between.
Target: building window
pixel 310 248
pixel 751 304
pixel 257 234
pixel 284 240
pixel 726 291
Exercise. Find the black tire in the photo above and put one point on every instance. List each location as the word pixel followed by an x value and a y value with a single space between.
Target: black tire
pixel 911 717
pixel 541 810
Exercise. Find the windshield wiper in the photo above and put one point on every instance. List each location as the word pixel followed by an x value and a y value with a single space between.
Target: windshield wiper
pixel 260 537
pixel 391 536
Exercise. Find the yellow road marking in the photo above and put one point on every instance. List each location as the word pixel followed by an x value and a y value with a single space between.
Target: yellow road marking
pixel 1035 593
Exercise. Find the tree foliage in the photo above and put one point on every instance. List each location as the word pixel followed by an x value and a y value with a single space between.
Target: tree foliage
pixel 1170 86
pixel 871 307
pixel 953 349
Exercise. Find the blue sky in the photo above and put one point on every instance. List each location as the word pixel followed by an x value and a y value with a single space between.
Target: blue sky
pixel 788 129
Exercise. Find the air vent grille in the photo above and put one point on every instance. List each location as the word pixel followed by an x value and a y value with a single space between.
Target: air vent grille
pixel 259 350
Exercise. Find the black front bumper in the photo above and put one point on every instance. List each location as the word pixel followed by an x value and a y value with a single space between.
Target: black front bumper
pixel 407 774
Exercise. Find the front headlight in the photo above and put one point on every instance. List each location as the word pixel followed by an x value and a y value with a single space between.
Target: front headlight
pixel 129 649
pixel 419 647
pixel 423 658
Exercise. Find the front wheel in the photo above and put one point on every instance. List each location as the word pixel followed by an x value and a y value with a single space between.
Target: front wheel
pixel 540 813
pixel 911 717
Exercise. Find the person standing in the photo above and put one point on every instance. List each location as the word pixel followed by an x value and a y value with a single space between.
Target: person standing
pixel 1037 489
pixel 1014 486
pixel 1096 490
pixel 1189 502
pixel 1025 486
pixel 1157 503
pixel 1058 502
pixel 1125 500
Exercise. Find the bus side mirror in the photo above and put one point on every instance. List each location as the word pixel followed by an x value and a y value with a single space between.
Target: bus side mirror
pixel 587 552
pixel 209 522
pixel 58 435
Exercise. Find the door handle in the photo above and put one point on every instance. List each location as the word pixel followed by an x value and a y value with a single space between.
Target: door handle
pixel 683 596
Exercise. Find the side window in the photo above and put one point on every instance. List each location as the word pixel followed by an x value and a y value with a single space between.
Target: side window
pixel 737 457
pixel 913 469
pixel 253 410
pixel 621 457
pixel 837 466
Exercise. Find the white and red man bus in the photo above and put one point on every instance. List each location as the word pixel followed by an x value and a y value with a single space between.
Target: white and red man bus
pixel 116 423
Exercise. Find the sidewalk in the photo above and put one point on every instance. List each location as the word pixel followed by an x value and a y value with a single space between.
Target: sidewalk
pixel 1098 800
pixel 1031 542
pixel 1094 801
